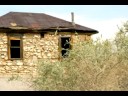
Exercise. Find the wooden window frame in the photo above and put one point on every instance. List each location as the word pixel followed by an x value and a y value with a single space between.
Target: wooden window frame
pixel 15 36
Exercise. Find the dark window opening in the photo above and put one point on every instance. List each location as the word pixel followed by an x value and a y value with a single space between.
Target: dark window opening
pixel 65 53
pixel 15 49
pixel 42 35
pixel 65 46
pixel 15 43
pixel 15 52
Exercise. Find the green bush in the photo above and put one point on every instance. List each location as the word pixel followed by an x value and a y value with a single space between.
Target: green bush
pixel 89 66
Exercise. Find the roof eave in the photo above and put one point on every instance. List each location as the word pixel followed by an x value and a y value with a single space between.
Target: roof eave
pixel 50 29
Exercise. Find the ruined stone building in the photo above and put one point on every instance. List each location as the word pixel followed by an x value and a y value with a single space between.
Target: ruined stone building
pixel 27 37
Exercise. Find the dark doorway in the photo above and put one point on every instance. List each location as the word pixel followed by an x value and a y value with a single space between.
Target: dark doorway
pixel 65 46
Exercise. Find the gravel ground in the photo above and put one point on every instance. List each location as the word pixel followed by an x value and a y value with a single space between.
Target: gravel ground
pixel 15 83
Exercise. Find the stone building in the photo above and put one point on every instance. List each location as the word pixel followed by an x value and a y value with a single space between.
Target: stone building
pixel 27 37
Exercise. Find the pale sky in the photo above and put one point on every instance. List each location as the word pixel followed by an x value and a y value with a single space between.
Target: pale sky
pixel 103 18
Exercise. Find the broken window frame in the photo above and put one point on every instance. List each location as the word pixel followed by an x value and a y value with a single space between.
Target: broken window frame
pixel 60 47
pixel 15 36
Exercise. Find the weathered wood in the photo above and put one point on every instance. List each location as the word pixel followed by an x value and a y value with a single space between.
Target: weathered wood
pixel 15 36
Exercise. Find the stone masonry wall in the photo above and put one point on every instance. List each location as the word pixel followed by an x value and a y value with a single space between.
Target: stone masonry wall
pixel 35 48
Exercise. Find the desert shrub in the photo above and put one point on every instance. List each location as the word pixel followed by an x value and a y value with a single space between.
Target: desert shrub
pixel 92 65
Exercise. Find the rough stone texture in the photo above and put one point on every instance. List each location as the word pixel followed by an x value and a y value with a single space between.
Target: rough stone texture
pixel 80 38
pixel 35 48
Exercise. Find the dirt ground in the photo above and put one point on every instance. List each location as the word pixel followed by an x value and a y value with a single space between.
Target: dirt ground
pixel 15 83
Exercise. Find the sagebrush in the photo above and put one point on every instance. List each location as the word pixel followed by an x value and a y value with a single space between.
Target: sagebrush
pixel 99 65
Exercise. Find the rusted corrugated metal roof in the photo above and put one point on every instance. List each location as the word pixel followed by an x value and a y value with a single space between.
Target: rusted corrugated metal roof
pixel 37 21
